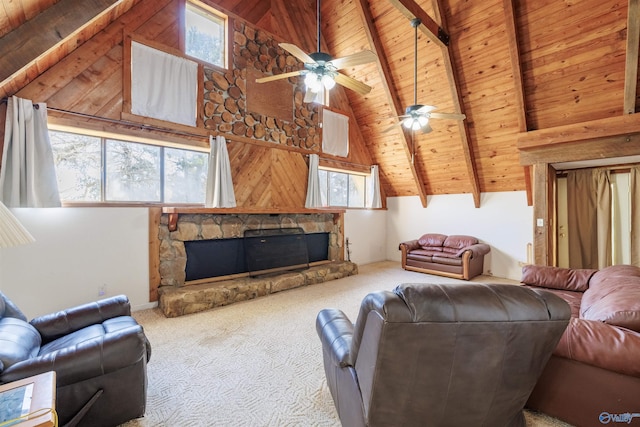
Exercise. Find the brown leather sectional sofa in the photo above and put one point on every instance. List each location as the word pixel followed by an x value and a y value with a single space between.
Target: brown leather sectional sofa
pixel 457 256
pixel 593 376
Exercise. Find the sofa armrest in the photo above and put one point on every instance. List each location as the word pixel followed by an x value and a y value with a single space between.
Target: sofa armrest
pixel 89 359
pixel 55 325
pixel 336 334
pixel 409 245
pixel 477 250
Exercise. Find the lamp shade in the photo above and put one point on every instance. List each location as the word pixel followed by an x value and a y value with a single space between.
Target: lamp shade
pixel 12 233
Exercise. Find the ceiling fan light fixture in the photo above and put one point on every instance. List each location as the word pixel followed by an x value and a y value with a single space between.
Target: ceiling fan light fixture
pixel 312 81
pixel 423 120
pixel 328 81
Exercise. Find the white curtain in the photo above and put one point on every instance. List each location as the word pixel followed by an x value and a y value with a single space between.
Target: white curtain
pixel 375 200
pixel 335 133
pixel 314 197
pixel 634 190
pixel 220 192
pixel 27 174
pixel 163 86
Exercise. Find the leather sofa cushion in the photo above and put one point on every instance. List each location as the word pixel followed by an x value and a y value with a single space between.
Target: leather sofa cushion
pixel 432 240
pixel 423 253
pixel 557 278
pixel 572 298
pixel 447 260
pixel 598 344
pixel 18 341
pixel 613 297
pixel 459 242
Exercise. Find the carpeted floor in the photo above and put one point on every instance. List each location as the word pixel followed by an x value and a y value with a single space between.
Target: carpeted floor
pixel 259 362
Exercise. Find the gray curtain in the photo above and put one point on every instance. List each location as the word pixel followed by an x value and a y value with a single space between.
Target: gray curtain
pixel 220 192
pixel 634 190
pixel 375 201
pixel 28 174
pixel 589 217
pixel 314 197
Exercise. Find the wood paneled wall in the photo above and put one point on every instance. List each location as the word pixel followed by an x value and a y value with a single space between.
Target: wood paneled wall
pixel 89 81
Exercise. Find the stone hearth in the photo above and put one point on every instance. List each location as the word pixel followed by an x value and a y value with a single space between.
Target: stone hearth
pixel 176 301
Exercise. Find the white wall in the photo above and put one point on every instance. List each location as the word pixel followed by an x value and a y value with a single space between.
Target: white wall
pixel 504 221
pixel 77 251
pixel 366 231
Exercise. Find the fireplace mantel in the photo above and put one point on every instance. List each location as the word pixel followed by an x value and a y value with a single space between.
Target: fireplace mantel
pixel 174 212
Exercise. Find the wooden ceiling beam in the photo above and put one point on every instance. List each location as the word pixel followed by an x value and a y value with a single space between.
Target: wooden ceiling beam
pixel 390 90
pixel 516 70
pixel 411 10
pixel 631 61
pixel 27 43
pixel 458 105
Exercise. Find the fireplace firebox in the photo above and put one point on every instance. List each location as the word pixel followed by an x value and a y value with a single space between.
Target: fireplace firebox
pixel 259 251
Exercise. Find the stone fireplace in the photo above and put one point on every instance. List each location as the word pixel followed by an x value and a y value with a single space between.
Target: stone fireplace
pixel 175 226
pixel 201 227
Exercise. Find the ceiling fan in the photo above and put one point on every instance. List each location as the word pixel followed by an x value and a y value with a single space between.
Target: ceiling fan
pixel 321 70
pixel 416 116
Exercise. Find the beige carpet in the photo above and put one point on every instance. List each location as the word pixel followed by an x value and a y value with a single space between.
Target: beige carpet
pixel 258 363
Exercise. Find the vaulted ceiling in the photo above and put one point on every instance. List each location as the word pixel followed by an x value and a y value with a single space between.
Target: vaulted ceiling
pixel 509 66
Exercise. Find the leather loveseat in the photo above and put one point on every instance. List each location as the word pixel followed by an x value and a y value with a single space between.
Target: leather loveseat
pixel 593 376
pixel 98 351
pixel 440 355
pixel 457 256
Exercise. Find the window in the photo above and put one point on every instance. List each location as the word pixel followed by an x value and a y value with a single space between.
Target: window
pixel 343 188
pixel 206 34
pixel 94 169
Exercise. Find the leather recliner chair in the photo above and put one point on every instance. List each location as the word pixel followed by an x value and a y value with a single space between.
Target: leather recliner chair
pixel 440 355
pixel 98 351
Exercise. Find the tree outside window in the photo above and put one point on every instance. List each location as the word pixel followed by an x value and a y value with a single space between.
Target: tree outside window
pixel 205 35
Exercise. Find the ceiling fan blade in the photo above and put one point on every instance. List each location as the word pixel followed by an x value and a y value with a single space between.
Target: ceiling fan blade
pixel 453 116
pixel 426 109
pixel 279 76
pixel 297 52
pixel 352 84
pixel 392 127
pixel 363 57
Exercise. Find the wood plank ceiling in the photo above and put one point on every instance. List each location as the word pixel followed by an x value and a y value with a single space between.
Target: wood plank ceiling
pixel 509 66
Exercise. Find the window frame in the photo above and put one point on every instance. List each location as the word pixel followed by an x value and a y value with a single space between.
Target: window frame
pixel 228 31
pixel 349 173
pixel 103 137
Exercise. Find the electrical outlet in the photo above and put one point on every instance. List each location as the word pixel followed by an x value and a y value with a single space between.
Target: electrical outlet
pixel 102 290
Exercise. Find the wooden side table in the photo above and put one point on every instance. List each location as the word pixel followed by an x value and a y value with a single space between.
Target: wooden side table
pixel 43 397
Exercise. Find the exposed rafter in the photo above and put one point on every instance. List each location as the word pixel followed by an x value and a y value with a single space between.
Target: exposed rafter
pixel 411 10
pixel 467 149
pixel 33 39
pixel 438 34
pixel 362 6
pixel 514 53
pixel 631 61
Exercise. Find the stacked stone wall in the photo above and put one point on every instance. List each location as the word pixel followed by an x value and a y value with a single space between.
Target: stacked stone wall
pixel 225 93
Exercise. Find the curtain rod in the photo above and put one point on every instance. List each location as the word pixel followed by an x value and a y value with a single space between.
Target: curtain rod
pixel 6 101
pixel 117 121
